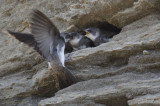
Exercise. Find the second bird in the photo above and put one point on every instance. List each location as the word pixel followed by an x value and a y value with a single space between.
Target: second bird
pixel 79 41
pixel 99 36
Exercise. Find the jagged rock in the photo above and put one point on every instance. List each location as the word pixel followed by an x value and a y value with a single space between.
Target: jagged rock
pixel 114 74
pixel 44 83
pixel 117 71
pixel 147 100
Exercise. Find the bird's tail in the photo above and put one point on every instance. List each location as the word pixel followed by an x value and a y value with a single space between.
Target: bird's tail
pixel 65 77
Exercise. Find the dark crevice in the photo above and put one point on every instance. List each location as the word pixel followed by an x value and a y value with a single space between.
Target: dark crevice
pixel 135 0
pixel 104 26
pixel 114 101
pixel 108 26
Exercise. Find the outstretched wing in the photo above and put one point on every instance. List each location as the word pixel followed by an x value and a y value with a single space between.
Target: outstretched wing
pixel 47 36
pixel 24 37
pixel 52 45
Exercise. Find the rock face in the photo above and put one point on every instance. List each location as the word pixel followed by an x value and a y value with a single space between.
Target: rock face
pixel 122 72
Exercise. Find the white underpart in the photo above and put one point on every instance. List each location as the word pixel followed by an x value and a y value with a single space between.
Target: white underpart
pixel 93 37
pixel 75 41
pixel 60 52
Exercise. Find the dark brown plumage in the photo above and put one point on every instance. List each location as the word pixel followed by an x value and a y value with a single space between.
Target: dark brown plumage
pixel 79 41
pixel 99 36
pixel 25 38
pixel 28 39
pixel 46 39
pixel 52 45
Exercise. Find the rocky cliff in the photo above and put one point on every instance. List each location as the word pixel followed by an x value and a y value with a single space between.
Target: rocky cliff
pixel 122 72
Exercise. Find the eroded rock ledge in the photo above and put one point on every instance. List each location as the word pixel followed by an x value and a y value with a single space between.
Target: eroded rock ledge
pixel 123 72
pixel 117 73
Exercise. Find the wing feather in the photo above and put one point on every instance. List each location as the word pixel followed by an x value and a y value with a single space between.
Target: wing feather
pixel 46 34
pixel 52 45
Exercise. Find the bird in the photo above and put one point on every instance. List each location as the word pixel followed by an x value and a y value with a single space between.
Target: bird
pixel 28 39
pixel 52 46
pixel 79 41
pixel 99 36
pixel 48 41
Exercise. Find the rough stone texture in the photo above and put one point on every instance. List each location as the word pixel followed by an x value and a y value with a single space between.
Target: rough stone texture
pixel 118 73
pixel 147 100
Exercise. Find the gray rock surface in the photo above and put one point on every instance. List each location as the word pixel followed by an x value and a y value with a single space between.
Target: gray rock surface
pixel 117 73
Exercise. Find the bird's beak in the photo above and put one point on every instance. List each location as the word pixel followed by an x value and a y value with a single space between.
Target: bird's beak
pixel 87 33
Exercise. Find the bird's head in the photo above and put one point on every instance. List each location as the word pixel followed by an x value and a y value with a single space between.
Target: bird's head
pixel 92 33
pixel 75 37
pixel 66 36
